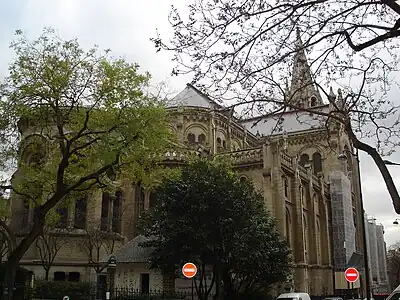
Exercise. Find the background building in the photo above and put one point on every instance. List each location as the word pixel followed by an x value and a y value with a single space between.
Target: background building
pixel 377 252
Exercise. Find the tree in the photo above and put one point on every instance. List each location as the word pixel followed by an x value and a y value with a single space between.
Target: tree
pixel 98 246
pixel 74 120
pixel 210 217
pixel 393 258
pixel 49 244
pixel 242 52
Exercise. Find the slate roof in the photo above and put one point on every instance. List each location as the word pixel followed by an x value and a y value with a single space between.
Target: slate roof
pixel 132 252
pixel 292 121
pixel 191 96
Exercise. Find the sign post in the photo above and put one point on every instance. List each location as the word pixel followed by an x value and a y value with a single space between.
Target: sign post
pixel 189 270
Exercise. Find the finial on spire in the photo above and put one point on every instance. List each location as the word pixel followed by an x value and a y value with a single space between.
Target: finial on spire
pixel 339 99
pixel 299 43
pixel 286 90
pixel 339 92
pixel 331 93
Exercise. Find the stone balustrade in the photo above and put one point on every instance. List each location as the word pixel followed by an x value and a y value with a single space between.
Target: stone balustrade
pixel 245 156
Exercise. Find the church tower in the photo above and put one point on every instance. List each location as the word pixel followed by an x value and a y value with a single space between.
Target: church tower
pixel 302 91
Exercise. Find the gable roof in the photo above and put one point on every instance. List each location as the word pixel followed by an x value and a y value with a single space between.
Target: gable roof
pixel 191 96
pixel 133 252
pixel 289 122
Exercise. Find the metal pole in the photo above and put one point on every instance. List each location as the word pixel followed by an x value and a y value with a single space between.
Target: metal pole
pixel 192 290
pixel 365 246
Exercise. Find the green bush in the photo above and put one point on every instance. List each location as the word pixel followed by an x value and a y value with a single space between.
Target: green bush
pixel 59 289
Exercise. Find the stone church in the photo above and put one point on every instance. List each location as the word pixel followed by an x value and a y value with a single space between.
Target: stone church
pixel 305 166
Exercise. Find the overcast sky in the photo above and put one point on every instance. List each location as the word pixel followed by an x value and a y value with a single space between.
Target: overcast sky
pixel 125 27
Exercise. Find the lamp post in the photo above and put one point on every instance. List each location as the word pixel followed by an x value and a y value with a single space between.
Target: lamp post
pixel 364 232
pixel 112 264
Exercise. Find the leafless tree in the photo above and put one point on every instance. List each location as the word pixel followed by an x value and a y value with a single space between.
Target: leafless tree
pixel 243 51
pixel 49 243
pixel 394 264
pixel 99 244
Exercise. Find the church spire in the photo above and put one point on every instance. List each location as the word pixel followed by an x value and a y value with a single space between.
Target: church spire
pixel 302 89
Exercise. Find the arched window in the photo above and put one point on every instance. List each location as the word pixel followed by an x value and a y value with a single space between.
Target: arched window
pixel 105 211
pixel 191 138
pixel 288 228
pixel 302 195
pixel 286 187
pixel 317 163
pixel 313 101
pixel 304 159
pixel 117 212
pixel 152 199
pixel 80 213
pixel 224 144
pixel 243 179
pixel 202 139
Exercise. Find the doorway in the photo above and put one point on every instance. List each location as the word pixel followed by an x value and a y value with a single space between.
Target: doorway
pixel 145 283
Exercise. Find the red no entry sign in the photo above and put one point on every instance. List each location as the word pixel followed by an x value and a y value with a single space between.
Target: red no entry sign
pixel 189 270
pixel 351 275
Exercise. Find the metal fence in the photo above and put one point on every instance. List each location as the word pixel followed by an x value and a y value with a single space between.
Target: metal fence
pixel 115 294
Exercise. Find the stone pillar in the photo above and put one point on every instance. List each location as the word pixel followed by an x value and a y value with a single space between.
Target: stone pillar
pixel 128 207
pixel 71 214
pixel 277 192
pixel 94 208
pixel 312 217
pixel 267 178
pixel 298 220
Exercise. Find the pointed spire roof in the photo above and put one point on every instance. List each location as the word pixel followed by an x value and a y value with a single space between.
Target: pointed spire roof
pixel 302 88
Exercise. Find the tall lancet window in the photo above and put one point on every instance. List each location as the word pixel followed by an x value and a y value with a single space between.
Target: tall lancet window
pixel 304 159
pixel 285 187
pixel 288 228
pixel 317 163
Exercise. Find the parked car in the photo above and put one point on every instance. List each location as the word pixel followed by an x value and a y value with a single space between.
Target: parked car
pixel 395 295
pixel 333 298
pixel 294 296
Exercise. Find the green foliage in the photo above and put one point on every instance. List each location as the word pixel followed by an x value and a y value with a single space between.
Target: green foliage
pixel 59 289
pixel 76 120
pixel 208 215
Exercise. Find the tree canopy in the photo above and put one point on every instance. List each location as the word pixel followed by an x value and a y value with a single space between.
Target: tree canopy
pixel 72 121
pixel 210 217
pixel 242 52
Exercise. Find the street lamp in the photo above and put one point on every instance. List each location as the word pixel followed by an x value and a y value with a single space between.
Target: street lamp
pixel 364 232
pixel 390 163
pixel 111 265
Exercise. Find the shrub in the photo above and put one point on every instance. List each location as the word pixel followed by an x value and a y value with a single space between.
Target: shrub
pixel 59 289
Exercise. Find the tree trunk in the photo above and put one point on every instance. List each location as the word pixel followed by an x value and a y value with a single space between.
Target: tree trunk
pixel 391 187
pixel 16 255
pixel 47 272
pixel 229 292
